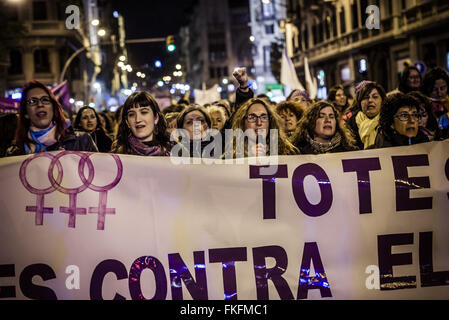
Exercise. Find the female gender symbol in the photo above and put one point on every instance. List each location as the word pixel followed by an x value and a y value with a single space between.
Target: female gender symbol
pixel 39 208
pixel 102 209
pixel 72 209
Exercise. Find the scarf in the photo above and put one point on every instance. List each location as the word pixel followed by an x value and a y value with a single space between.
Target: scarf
pixel 324 147
pixel 41 138
pixel 367 128
pixel 142 149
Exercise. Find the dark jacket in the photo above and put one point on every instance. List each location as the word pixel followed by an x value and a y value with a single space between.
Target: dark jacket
pixel 102 140
pixel 71 141
pixel 351 124
pixel 396 140
pixel 305 147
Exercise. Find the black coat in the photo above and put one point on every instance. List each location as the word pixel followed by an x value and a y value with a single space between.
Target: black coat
pixel 396 140
pixel 71 141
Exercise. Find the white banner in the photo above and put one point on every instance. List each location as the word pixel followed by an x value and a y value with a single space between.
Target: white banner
pixel 370 224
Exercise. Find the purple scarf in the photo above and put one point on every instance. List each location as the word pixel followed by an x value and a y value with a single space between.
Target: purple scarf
pixel 141 149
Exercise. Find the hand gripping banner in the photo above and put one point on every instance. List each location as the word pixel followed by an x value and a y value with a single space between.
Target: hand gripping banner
pixel 370 224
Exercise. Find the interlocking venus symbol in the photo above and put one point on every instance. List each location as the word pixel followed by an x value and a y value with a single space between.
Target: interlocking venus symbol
pixel 72 210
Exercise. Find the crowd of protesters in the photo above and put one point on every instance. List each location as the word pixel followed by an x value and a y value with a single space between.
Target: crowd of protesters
pixel 416 112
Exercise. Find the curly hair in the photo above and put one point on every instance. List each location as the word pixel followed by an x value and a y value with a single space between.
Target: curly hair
pixel 333 92
pixel 140 99
pixel 307 125
pixel 432 122
pixel 391 105
pixel 284 145
pixel 290 105
pixel 430 77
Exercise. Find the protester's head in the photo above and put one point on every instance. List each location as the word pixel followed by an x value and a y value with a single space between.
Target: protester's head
pixel 300 96
pixel 410 80
pixel 337 95
pixel 225 106
pixel 217 117
pixel 87 119
pixel 320 123
pixel 171 121
pixel 428 119
pixel 195 120
pixel 290 113
pixel 400 114
pixel 435 84
pixel 369 98
pixel 257 116
pixel 141 118
pixel 39 109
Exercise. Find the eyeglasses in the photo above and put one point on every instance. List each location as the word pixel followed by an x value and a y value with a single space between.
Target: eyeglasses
pixel 253 117
pixel 408 116
pixel 34 101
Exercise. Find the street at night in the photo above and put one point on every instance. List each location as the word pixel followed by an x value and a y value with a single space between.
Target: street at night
pixel 235 151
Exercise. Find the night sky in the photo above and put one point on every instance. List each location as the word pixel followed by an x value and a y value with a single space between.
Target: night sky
pixel 148 19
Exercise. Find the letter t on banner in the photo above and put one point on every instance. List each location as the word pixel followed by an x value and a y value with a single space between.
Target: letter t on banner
pixel 362 167
pixel 268 187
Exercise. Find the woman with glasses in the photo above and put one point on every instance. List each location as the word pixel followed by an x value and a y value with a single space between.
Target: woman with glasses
pixel 88 120
pixel 142 128
pixel 261 125
pixel 365 113
pixel 319 131
pixel 428 123
pixel 398 122
pixel 42 126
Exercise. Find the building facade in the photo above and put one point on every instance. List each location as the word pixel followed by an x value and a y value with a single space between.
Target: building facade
pixel 219 42
pixel 347 41
pixel 265 29
pixel 62 43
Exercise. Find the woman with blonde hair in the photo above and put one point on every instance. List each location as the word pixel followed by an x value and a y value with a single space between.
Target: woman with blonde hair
pixel 256 118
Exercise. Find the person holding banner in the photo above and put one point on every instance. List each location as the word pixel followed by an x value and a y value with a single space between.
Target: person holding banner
pixel 319 131
pixel 398 122
pixel 42 126
pixel 259 122
pixel 88 120
pixel 365 111
pixel 142 128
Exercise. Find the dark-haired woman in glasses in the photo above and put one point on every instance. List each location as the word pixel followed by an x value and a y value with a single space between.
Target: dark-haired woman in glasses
pixel 399 122
pixel 42 126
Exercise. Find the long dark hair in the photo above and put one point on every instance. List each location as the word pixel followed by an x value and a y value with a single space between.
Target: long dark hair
pixel 363 89
pixel 403 79
pixel 77 123
pixel 141 99
pixel 430 77
pixel 307 125
pixel 23 124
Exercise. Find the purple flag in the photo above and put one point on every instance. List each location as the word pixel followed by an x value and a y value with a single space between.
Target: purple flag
pixel 8 105
pixel 61 91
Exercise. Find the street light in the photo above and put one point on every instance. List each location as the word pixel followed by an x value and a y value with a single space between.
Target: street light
pixel 178 67
pixel 95 22
pixel 122 58
pixel 101 32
